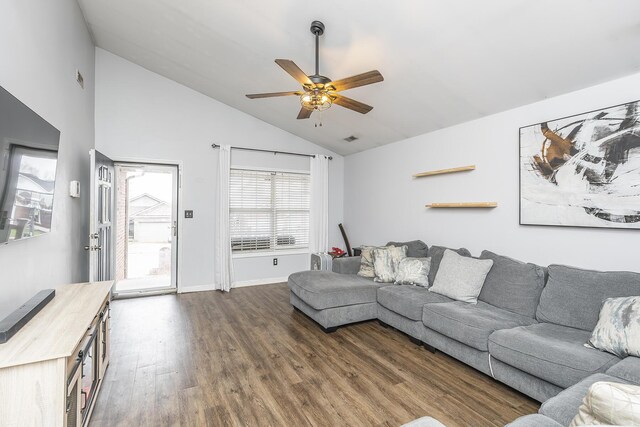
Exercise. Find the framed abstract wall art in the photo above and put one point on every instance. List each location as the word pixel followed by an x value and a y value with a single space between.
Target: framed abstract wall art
pixel 582 170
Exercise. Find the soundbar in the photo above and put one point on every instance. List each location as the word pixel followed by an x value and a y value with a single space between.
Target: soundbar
pixel 11 324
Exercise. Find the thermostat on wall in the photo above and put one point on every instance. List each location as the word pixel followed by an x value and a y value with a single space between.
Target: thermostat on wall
pixel 74 189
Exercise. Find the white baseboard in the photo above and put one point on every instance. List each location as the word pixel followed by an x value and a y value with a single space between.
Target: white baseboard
pixel 258 282
pixel 198 288
pixel 242 284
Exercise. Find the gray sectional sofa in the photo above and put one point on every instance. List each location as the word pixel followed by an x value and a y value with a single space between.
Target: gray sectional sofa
pixel 527 329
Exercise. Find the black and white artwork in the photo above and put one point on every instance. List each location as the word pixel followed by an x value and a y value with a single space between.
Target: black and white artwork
pixel 582 170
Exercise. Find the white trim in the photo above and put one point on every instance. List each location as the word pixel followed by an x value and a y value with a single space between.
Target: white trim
pixel 258 282
pixel 197 288
pixel 241 284
pixel 257 254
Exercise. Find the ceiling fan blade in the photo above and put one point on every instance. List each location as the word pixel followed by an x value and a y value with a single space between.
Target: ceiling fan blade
pixel 363 79
pixel 271 95
pixel 304 113
pixel 351 104
pixel 295 71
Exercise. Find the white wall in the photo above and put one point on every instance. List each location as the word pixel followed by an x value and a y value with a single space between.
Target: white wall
pixel 142 115
pixel 41 45
pixel 383 202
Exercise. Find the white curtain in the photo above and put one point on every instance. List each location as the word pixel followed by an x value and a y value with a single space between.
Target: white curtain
pixel 223 263
pixel 319 218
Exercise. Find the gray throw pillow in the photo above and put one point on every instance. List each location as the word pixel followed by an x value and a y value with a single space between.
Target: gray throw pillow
pixel 413 271
pixel 415 248
pixel 618 328
pixel 366 262
pixel 436 253
pixel 460 277
pixel 385 262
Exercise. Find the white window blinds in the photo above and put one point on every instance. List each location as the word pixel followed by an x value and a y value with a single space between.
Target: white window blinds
pixel 268 210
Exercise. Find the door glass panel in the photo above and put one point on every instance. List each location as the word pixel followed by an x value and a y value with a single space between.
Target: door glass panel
pixel 146 227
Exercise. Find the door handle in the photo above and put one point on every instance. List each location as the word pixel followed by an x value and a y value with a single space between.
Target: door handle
pixel 175 228
pixel 93 248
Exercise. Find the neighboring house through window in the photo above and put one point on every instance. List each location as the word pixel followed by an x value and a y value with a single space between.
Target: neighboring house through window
pixel 268 210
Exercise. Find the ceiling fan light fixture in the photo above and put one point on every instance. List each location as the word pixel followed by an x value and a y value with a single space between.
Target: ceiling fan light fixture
pixel 316 100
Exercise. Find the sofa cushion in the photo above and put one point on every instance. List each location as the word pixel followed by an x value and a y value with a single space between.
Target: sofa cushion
pixel 415 248
pixel 346 265
pixel 408 300
pixel 512 285
pixel 573 297
pixel 470 324
pixel 326 289
pixel 564 406
pixel 628 369
pixel 436 253
pixel 551 352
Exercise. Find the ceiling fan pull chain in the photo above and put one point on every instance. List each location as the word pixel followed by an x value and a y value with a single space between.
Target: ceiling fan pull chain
pixel 319 122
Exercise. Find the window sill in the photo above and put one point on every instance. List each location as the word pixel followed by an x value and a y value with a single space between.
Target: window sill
pixel 270 253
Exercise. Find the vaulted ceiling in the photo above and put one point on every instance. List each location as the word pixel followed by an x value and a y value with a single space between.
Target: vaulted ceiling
pixel 444 62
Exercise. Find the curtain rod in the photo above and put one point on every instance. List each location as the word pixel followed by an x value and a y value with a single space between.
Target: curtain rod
pixel 270 151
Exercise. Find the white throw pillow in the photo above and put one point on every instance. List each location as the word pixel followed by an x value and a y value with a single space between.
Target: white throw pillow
pixel 609 404
pixel 413 271
pixel 618 328
pixel 460 277
pixel 385 262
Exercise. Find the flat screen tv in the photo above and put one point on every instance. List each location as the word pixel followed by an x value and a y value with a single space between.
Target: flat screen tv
pixel 28 160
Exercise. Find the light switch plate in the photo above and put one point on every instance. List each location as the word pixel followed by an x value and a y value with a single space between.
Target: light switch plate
pixel 188 214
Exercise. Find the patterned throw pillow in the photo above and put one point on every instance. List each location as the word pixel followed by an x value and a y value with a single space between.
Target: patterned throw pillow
pixel 366 262
pixel 609 403
pixel 618 328
pixel 413 271
pixel 385 262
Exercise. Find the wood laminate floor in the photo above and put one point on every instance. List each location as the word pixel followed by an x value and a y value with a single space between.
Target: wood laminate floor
pixel 248 359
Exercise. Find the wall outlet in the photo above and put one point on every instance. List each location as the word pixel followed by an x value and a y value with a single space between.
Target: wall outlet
pixel 188 214
pixel 275 261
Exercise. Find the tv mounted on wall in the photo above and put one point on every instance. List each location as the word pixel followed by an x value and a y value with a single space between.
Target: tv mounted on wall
pixel 28 160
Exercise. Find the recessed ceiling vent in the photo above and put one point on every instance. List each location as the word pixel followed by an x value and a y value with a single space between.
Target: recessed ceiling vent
pixel 351 138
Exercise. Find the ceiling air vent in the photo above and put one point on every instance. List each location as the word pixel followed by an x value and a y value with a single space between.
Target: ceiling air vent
pixel 351 138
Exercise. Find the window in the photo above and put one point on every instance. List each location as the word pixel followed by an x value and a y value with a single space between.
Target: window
pixel 268 210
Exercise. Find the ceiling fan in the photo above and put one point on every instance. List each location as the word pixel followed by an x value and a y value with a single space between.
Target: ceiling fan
pixel 320 92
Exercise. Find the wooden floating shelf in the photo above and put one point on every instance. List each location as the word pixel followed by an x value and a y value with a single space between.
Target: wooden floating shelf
pixel 464 205
pixel 442 171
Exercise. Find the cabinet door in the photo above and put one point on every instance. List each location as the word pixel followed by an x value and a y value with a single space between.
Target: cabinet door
pixel 105 333
pixel 73 418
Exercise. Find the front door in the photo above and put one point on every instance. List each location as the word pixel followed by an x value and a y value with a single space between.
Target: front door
pixel 101 211
pixel 146 229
